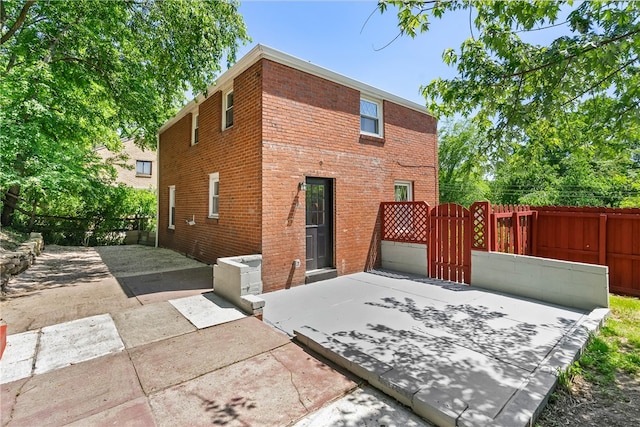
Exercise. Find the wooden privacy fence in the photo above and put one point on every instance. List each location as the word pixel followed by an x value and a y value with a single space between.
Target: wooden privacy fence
pixel 605 236
pixel 406 222
pixel 503 228
pixel 450 243
pixel 444 228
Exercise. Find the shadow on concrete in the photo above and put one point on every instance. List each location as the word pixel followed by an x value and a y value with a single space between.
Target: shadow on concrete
pixel 192 279
pixel 225 413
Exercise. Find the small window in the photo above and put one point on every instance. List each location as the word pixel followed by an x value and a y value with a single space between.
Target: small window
pixel 143 167
pixel 195 126
pixel 227 108
pixel 214 193
pixel 370 117
pixel 403 191
pixel 172 206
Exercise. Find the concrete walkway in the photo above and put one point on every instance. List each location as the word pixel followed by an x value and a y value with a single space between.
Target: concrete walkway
pixel 455 354
pixel 133 336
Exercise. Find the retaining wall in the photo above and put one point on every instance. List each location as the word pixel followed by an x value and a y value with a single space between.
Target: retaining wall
pixel 572 284
pixel 17 261
pixel 405 257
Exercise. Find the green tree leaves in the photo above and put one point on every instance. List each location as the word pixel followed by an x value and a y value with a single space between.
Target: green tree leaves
pixel 508 83
pixel 561 119
pixel 84 73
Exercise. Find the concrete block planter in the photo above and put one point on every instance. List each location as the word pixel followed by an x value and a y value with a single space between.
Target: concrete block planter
pixel 239 280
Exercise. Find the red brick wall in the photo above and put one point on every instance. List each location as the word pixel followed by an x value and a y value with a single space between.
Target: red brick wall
pixel 311 128
pixel 235 154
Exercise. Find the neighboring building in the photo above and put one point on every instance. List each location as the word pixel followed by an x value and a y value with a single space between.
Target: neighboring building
pixel 290 160
pixel 141 171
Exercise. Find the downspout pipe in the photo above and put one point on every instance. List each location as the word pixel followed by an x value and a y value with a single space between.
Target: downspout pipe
pixel 157 188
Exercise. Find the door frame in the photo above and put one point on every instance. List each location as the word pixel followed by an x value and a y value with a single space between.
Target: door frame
pixel 329 218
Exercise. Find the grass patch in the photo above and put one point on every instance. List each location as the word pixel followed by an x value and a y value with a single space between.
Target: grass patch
pixel 617 346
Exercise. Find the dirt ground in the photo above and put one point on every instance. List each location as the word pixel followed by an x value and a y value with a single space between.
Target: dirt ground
pixel 595 405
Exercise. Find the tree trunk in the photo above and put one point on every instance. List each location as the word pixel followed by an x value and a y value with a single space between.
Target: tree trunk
pixel 9 205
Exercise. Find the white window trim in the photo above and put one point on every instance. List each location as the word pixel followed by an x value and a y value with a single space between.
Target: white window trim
pixel 225 93
pixel 214 177
pixel 195 124
pixel 172 204
pixel 380 133
pixel 408 184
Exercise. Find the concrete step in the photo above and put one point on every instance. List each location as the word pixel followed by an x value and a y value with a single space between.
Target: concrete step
pixel 321 274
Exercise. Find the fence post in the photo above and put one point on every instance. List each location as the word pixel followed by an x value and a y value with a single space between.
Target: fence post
pixel 602 241
pixel 494 226
pixel 515 227
pixel 534 233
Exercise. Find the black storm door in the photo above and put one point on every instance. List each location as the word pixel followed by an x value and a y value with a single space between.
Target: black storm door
pixel 319 213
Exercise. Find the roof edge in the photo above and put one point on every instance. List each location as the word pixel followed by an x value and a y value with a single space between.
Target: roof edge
pixel 261 51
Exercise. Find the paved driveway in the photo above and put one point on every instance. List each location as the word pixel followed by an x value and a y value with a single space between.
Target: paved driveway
pixel 457 355
pixel 133 336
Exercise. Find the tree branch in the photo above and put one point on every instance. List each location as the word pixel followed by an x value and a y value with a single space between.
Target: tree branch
pixel 602 80
pixel 574 55
pixel 16 25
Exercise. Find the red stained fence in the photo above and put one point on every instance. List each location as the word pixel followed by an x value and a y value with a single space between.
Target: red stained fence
pixel 450 245
pixel 503 228
pixel 605 236
pixel 445 228
pixel 406 222
pixel 602 236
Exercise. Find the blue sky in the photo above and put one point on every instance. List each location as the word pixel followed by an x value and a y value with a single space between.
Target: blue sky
pixel 331 34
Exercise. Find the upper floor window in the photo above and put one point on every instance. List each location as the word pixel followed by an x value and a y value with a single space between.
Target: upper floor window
pixel 214 194
pixel 370 117
pixel 227 110
pixel 195 125
pixel 143 167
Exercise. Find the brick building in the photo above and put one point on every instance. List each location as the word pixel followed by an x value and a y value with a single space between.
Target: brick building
pixel 141 164
pixel 290 160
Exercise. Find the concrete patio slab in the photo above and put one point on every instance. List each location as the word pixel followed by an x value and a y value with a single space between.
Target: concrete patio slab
pixel 108 390
pixel 207 310
pixel 271 389
pixel 365 407
pixel 150 323
pixel 64 395
pixel 77 341
pixel 176 360
pixel 17 360
pixel 453 353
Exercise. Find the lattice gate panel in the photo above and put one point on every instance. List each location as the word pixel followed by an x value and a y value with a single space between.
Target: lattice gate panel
pixel 405 222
